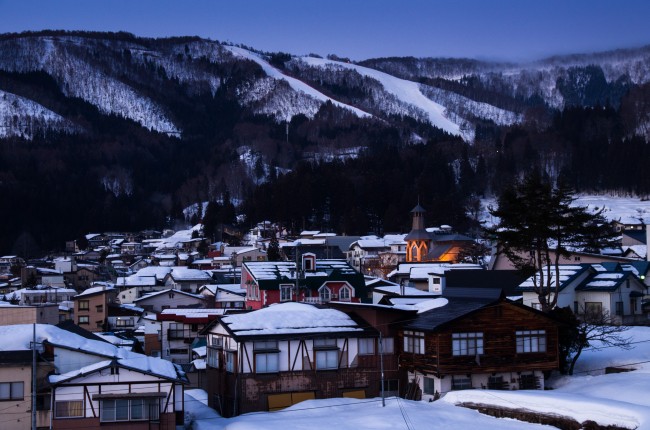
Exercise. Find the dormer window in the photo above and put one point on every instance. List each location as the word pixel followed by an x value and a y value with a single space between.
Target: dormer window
pixel 309 262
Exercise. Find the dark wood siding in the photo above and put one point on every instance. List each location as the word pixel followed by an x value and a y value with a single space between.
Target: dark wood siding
pixel 498 323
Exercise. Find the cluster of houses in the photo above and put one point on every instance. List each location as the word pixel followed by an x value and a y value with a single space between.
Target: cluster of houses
pixel 262 335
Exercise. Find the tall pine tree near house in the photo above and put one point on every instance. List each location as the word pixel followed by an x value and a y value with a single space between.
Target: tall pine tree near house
pixel 538 225
pixel 273 251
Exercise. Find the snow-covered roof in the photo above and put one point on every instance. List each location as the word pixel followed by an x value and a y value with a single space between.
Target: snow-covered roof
pixel 290 318
pixel 418 304
pixel 95 289
pixel 151 365
pixel 186 274
pixel 231 288
pixel 271 270
pixel 156 293
pixel 396 289
pixel 194 313
pixel 566 272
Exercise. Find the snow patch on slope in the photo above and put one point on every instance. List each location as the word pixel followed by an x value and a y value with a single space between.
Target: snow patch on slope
pixel 59 57
pixel 287 107
pixel 20 116
pixel 403 90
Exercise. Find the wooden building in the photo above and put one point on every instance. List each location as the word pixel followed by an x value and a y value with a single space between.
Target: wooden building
pixel 477 343
pixel 275 357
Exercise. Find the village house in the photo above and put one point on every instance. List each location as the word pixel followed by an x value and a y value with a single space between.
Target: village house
pixel 16 390
pixel 609 289
pixel 224 296
pixel 31 275
pixel 123 317
pixel 464 343
pixel 40 294
pixel 377 256
pixel 91 307
pixel 180 331
pixel 187 280
pixel 313 281
pixel 426 276
pixel 170 299
pixel 28 314
pixel 139 392
pixel 280 355
pixel 94 383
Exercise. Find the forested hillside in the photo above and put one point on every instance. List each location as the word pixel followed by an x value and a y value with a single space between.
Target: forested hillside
pixel 107 131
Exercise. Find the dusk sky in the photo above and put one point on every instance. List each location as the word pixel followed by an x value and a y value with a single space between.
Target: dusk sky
pixel 484 29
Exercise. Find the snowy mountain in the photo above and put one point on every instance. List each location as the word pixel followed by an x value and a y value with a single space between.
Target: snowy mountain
pixel 126 76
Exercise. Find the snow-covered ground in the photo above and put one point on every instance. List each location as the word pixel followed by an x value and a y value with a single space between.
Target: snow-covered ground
pixel 624 209
pixel 620 399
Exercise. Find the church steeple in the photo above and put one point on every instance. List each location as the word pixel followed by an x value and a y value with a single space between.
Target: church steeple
pixel 417 241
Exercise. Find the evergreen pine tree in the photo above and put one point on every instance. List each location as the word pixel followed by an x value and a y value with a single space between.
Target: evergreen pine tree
pixel 538 225
pixel 273 252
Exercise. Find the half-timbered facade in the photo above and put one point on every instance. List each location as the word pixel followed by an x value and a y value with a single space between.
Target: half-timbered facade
pixel 473 343
pixel 277 356
pixel 139 393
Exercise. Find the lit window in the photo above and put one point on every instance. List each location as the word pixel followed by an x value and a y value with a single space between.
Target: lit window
pixel 467 343
pixel 531 341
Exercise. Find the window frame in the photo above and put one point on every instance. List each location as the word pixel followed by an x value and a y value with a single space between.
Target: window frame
pixel 414 342
pixel 84 305
pixel 594 308
pixel 230 361
pixel 326 359
pixel 467 344
pixel 530 341
pixel 11 387
pixel 144 406
pixel 388 345
pixel 325 294
pixel 267 362
pixel 428 385
pixel 284 289
pixel 461 382
pixel 57 409
pixel 366 346
pixel 83 319
pixel 213 357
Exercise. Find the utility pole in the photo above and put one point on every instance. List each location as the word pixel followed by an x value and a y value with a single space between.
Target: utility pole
pixel 381 364
pixel 34 376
